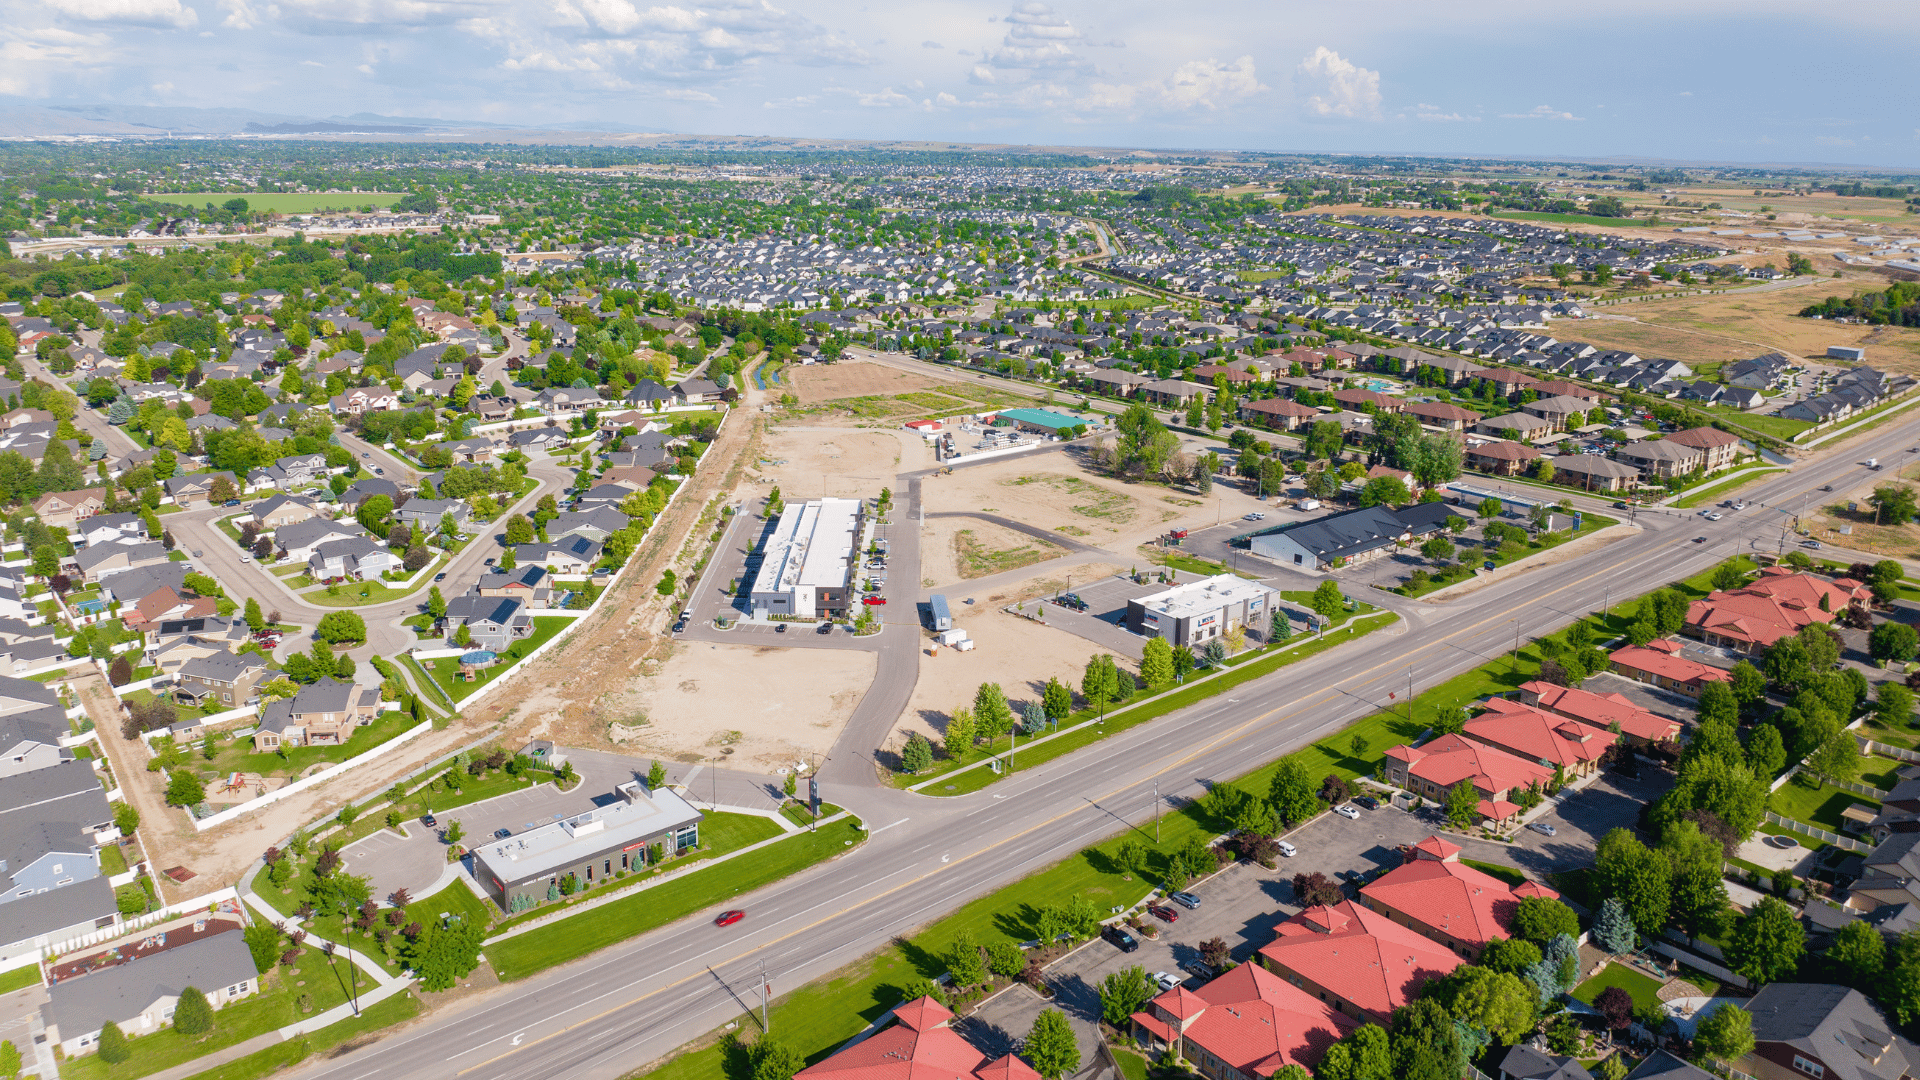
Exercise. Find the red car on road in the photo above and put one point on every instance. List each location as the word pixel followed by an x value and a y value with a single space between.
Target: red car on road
pixel 873 600
pixel 728 918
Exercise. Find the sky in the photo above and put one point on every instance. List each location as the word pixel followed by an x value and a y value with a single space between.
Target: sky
pixel 1761 80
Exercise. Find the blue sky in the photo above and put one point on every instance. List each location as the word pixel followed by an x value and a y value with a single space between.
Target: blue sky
pixel 1764 80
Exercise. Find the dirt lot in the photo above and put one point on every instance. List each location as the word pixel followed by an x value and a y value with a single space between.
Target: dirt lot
pixel 961 549
pixel 851 378
pixel 840 462
pixel 1018 654
pixel 772 706
pixel 1825 521
pixel 1054 493
pixel 1734 326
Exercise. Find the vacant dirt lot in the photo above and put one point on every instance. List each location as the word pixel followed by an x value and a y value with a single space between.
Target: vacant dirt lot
pixel 1018 654
pixel 840 462
pixel 1827 519
pixel 851 378
pixel 1056 494
pixel 1733 326
pixel 772 706
pixel 961 549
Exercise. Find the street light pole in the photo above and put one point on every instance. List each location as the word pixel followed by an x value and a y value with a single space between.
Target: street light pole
pixel 1156 809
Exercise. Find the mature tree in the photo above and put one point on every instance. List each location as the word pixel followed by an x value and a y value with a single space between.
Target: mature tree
pixel 1695 865
pixel 1625 868
pixel 1124 993
pixel 1837 758
pixel 1613 928
pixel 1463 802
pixel 1499 1001
pixel 1387 490
pixel 1616 1005
pixel 185 789
pixel 1767 942
pixel 1292 792
pixel 338 627
pixel 1437 550
pixel 1426 1045
pixel 1858 956
pixel 375 514
pixel 775 1060
pixel 519 530
pixel 960 734
pixel 991 713
pixel 1512 955
pixel 1718 703
pixel 1050 1046
pixel 1894 504
pixel 1727 1034
pixel 113 1044
pixel 263 944
pixel 1749 685
pixel 1096 684
pixel 1766 753
pixel 191 1014
pixel 1328 601
pixel 1540 919
pixel 965 963
pixel 443 955
pixel 1715 737
pixel 1316 889
pixel 1892 641
pixel 1365 1054
pixel 9 1060
pixel 1729 789
pixel 1156 663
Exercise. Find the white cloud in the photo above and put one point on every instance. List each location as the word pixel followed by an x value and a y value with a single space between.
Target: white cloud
pixel 1333 87
pixel 930 44
pixel 312 63
pixel 1542 112
pixel 680 93
pixel 1210 84
pixel 161 14
pixel 1433 114
pixel 1832 140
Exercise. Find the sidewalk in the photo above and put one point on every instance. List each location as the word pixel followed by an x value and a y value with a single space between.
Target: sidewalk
pixel 268 913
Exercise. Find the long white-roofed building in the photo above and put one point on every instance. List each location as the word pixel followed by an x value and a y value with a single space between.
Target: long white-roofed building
pixel 807 567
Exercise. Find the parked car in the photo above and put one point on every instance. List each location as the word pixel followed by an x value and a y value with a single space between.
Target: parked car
pixel 489 562
pixel 728 918
pixel 1122 938
pixel 1185 899
pixel 873 601
pixel 1197 969
pixel 780 628
pixel 502 834
pixel 825 628
pixel 1541 827
pixel 1367 801
pixel 437 578
pixel 1163 913
pixel 429 820
pixel 1165 980
pixel 679 625
pixel 1287 850
pixel 1346 811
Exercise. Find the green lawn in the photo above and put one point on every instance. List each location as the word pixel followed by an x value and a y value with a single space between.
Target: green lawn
pixel 20 978
pixel 356 594
pixel 182 713
pixel 261 1063
pixel 1645 991
pixel 1778 427
pixel 284 202
pixel 455 899
pixel 1720 491
pixel 1820 806
pixel 447 667
pixel 1495 870
pixel 1905 736
pixel 1879 772
pixel 238 755
pixel 1132 1065
pixel 1475 556
pixel 1574 219
pixel 112 861
pixel 274 1007
pixel 568 939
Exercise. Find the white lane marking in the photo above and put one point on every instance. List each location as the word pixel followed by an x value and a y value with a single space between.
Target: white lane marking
pixel 883 828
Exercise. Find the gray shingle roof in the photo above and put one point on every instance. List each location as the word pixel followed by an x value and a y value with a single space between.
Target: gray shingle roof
pixel 1835 1024
pixel 82 1005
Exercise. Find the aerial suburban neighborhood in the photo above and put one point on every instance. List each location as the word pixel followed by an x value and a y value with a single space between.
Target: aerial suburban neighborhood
pixel 570 598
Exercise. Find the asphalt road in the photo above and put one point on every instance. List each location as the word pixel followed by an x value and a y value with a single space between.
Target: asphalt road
pixel 611 1013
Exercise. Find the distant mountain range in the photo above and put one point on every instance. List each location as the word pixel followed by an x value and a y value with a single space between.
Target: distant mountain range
pixel 28 121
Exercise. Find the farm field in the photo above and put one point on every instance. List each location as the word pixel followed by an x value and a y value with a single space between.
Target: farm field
pixel 287 202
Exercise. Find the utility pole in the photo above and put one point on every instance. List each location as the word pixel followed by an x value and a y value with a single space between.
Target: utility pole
pixel 766 993
pixel 1156 809
pixel 1409 695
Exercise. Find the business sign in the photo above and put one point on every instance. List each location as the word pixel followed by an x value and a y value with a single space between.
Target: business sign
pixel 1206 620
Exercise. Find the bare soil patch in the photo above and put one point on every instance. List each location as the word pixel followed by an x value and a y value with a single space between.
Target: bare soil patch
pixel 1828 519
pixel 772 707
pixel 985 548
pixel 813 383
pixel 841 463
pixel 1731 326
pixel 1054 493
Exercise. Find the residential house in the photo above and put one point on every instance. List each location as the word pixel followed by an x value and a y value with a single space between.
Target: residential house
pixel 1823 1031
pixel 542 438
pixel 1355 959
pixel 572 555
pixel 229 680
pixel 1517 426
pixel 164 604
pixel 1432 769
pixel 366 488
pixel 289 472
pixel 494 623
pixel 529 583
pixel 1523 1062
pixel 364 399
pixel 358 558
pixel 1603 712
pixel 111 529
pixel 916 1045
pixel 596 524
pixel 696 391
pixel 1358 400
pixel 1279 414
pixel 1661 1065
pixel 566 400
pixel 1565 413
pixel 1887 892
pixel 106 560
pixel 298 540
pixel 138 987
pixel 323 714
pixel 1245 1024
pixel 424 515
pixel 1659 663
pixel 1779 604
pixel 1448 901
pixel 1501 458
pixel 62 509
pixel 1443 415
pixel 197 487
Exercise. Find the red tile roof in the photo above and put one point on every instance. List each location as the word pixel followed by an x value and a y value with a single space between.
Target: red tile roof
pixel 1662 657
pixel 1703 438
pixel 919 1046
pixel 1776 606
pixel 1450 759
pixel 1361 955
pixel 1504 450
pixel 1600 710
pixel 1451 897
pixel 1535 733
pixel 1256 1022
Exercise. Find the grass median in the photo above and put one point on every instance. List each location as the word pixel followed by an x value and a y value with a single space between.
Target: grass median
pixel 536 950
pixel 385 1013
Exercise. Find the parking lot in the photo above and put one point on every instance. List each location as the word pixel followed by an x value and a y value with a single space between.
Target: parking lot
pixel 1103 621
pixel 1583 817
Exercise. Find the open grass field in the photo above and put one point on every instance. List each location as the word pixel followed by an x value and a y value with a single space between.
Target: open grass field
pixel 286 202
pixel 1574 219
pixel 1820 806
pixel 1736 325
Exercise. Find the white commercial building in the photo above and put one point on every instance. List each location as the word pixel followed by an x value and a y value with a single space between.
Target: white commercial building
pixel 1200 611
pixel 806 569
